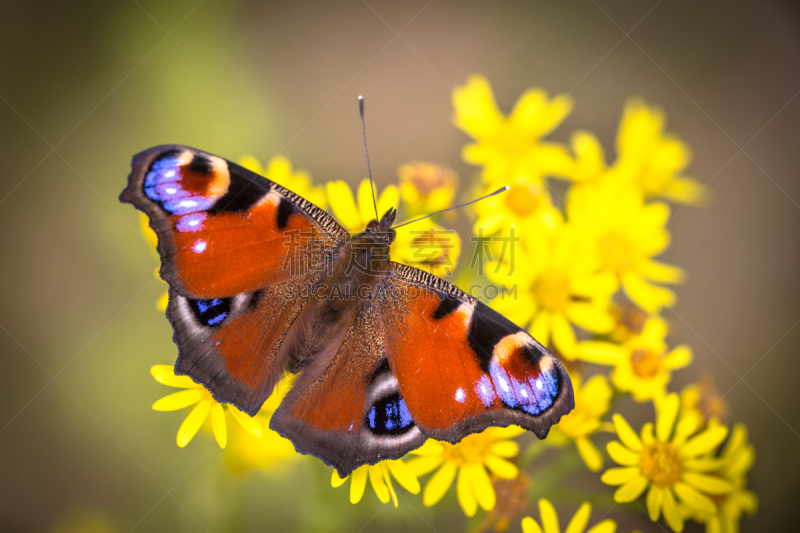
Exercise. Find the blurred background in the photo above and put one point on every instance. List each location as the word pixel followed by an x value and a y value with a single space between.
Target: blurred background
pixel 85 85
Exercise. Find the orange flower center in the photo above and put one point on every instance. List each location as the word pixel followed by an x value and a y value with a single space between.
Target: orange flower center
pixel 630 321
pixel 661 463
pixel 522 200
pixel 432 249
pixel 471 449
pixel 551 292
pixel 645 363
pixel 426 178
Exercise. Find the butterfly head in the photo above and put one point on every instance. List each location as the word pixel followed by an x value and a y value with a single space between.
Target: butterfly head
pixel 382 231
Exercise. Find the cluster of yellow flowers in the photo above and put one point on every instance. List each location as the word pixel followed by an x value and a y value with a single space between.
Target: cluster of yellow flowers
pixel 582 277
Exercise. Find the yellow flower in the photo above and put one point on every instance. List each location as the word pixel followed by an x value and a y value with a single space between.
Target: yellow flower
pixel 558 284
pixel 671 459
pixel 512 501
pixel 279 170
pixel 643 366
pixel 704 398
pixel 630 321
pixel 652 159
pixel 590 163
pixel 270 451
pixel 525 206
pixel 203 403
pixel 469 459
pixel 735 461
pixel 427 246
pixel 626 234
pixel 426 187
pixel 549 518
pixel 508 147
pixel 355 217
pixel 592 401
pixel 380 477
pixel 152 239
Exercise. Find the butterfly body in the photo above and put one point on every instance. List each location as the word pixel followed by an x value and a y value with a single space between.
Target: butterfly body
pixel 386 355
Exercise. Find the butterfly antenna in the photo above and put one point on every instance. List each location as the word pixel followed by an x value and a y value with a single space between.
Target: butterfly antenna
pixel 366 152
pixel 498 191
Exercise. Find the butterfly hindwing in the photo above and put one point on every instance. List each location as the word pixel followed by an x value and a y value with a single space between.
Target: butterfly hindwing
pixel 232 345
pixel 463 367
pixel 350 412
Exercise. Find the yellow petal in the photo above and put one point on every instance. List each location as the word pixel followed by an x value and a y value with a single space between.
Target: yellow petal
pixel 647 434
pixel 626 433
pixel 606 526
pixel 687 191
pixel 466 498
pixel 340 198
pixel 591 317
pixel 540 329
pixel 179 400
pixel 161 304
pixel 564 336
pixel 660 272
pixel 678 358
pixel 581 518
pixel 500 467
pixel 429 447
pixel 671 514
pixel 631 490
pixel 193 422
pixel 619 476
pixel 621 454
pixel 548 516
pixel 403 474
pixel 250 424
pixel 529 525
pixel 649 297
pixel 358 482
pixel 251 163
pixel 438 484
pixel 506 448
pixel 165 374
pixel 420 466
pixel 388 479
pixel 218 425
pixel 705 442
pixel 655 497
pixel 703 464
pixel 376 479
pixel 337 481
pixel 706 483
pixel 589 453
pixel 691 498
pixel 508 432
pixel 481 485
pixel 601 353
pixel 364 200
pixel 390 197
pixel 667 411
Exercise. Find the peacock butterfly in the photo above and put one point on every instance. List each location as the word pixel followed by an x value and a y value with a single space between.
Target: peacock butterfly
pixel 262 281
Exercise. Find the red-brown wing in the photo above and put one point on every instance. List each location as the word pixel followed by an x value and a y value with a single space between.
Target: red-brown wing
pixel 350 412
pixel 461 366
pixel 237 251
pixel 222 229
pixel 231 345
